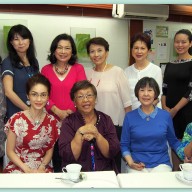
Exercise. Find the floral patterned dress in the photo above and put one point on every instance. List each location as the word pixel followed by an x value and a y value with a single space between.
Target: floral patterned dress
pixel 32 142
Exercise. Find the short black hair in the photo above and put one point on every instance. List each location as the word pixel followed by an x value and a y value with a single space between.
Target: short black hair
pixel 141 37
pixel 143 82
pixel 97 41
pixel 82 85
pixel 38 79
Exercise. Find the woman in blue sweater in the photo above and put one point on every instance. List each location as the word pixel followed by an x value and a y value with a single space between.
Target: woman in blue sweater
pixel 146 131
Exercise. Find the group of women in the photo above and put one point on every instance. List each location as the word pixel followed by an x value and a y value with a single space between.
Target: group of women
pixel 97 108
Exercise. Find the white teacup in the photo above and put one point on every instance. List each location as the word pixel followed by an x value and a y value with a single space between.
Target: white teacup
pixel 186 168
pixel 73 171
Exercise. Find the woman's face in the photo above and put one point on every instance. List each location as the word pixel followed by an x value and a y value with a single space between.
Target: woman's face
pixel 63 51
pixel 182 43
pixel 146 96
pixel 140 51
pixel 98 54
pixel 20 44
pixel 85 100
pixel 38 96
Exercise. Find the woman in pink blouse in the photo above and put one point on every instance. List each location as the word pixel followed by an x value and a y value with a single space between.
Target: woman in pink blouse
pixel 62 72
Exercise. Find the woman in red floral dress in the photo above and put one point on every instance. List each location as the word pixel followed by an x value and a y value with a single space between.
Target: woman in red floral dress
pixel 31 134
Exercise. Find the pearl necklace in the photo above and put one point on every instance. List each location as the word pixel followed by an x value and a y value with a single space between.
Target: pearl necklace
pixel 100 75
pixel 62 72
pixel 35 121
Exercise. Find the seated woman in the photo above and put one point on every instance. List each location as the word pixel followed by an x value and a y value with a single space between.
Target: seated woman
pixel 31 134
pixel 146 131
pixel 88 137
pixel 186 145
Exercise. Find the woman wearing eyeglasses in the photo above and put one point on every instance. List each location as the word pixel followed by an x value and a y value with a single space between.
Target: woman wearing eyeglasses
pixel 31 134
pixel 88 136
pixel 62 72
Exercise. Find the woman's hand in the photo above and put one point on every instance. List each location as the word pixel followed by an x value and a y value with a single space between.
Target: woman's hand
pixel 173 112
pixel 167 108
pixel 188 160
pixel 89 132
pixel 137 166
pixel 62 114
pixel 88 137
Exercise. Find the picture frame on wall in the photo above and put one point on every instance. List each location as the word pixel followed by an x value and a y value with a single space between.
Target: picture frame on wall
pixel 81 36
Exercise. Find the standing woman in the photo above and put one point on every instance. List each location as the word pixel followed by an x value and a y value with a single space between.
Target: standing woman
pixel 2 116
pixel 18 67
pixel 62 72
pixel 111 84
pixel 177 86
pixel 140 48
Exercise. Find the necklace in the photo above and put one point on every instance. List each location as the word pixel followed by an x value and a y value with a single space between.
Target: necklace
pixel 62 72
pixel 36 122
pixel 92 119
pixel 97 84
pixel 95 123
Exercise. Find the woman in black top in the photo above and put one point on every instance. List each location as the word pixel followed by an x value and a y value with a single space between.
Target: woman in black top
pixel 177 85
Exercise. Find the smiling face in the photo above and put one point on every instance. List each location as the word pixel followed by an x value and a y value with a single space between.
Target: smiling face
pixel 140 51
pixel 20 44
pixel 38 96
pixel 146 96
pixel 63 51
pixel 98 54
pixel 182 44
pixel 85 101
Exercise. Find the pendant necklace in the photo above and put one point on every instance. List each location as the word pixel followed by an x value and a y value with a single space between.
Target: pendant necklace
pixel 36 122
pixel 93 71
pixel 61 72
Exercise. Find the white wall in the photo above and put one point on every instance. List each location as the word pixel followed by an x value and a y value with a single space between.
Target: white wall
pixel 45 27
pixel 173 27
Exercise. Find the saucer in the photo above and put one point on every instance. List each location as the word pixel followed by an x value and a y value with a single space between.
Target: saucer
pixel 65 178
pixel 180 177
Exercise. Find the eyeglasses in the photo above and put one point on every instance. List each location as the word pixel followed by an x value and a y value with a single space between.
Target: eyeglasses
pixel 87 96
pixel 61 49
pixel 36 95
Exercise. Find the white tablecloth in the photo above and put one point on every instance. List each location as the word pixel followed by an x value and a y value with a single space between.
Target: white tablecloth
pixel 151 180
pixel 98 179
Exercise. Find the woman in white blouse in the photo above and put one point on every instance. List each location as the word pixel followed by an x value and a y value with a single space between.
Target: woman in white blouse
pixel 140 47
pixel 113 90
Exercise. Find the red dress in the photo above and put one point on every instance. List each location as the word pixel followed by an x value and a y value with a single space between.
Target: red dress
pixel 32 142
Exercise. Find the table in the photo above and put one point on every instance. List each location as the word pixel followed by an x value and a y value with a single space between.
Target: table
pixel 98 179
pixel 150 180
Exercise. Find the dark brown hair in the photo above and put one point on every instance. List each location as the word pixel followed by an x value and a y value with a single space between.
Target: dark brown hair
pixel 38 79
pixel 143 82
pixel 82 85
pixel 97 41
pixel 141 37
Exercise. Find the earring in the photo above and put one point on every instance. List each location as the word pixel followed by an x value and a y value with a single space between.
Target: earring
pixel 28 102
